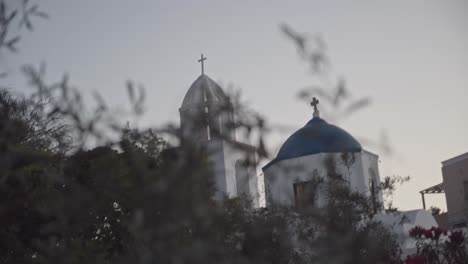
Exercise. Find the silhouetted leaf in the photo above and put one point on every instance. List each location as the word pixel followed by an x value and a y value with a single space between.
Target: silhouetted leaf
pixel 41 14
pixel 356 105
pixel 11 43
pixel 341 92
pixel 130 91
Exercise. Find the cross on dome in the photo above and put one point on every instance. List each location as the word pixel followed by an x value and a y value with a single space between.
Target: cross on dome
pixel 201 60
pixel 315 103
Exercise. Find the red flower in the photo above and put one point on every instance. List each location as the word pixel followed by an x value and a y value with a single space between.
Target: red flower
pixel 415 260
pixel 417 232
pixel 428 233
pixel 437 231
pixel 457 237
pixel 433 232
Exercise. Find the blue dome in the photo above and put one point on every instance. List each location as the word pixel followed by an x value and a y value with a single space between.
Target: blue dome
pixel 317 136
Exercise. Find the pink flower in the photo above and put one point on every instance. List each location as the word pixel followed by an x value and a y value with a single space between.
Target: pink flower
pixel 428 233
pixel 436 232
pixel 417 232
pixel 415 260
pixel 457 237
pixel 432 233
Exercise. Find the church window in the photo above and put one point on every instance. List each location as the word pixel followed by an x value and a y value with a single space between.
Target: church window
pixel 242 177
pixel 208 132
pixel 373 190
pixel 220 126
pixel 304 194
pixel 373 195
pixel 465 189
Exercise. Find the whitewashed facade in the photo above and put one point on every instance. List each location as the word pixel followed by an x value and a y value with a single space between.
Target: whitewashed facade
pixel 205 100
pixel 280 177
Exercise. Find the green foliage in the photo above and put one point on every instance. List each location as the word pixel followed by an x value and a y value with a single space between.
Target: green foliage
pixel 27 121
pixel 435 210
pixel 141 200
pixel 346 231
pixel 14 17
pixel 438 246
pixel 133 198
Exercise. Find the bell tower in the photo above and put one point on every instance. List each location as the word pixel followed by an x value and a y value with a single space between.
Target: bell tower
pixel 206 113
pixel 207 119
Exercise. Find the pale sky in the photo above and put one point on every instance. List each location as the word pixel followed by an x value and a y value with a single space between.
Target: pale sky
pixel 410 57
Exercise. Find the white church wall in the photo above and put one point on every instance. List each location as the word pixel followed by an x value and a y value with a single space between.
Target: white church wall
pixel 245 180
pixel 230 157
pixel 370 165
pixel 229 183
pixel 261 190
pixel 216 156
pixel 254 186
pixel 206 100
pixel 352 170
pixel 280 177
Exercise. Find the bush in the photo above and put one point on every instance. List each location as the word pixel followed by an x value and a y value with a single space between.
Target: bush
pixel 438 246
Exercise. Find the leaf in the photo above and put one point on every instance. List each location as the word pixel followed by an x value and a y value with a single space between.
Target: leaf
pixel 304 94
pixel 64 81
pixel 42 69
pixel 11 44
pixel 28 24
pixel 320 93
pixel 131 91
pixel 12 48
pixel 33 8
pixel 357 105
pixel 13 41
pixel 142 94
pixel 3 36
pixel 2 9
pixel 294 36
pixel 384 144
pixel 41 14
pixel 100 101
pixel 10 17
pixel 341 92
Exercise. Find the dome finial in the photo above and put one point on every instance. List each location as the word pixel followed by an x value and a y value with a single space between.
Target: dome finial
pixel 314 103
pixel 202 59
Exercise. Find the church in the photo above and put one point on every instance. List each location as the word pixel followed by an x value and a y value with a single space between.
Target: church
pixel 301 160
pixel 206 117
pixel 310 154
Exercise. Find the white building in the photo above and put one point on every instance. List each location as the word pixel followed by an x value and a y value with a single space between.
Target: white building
pixel 206 118
pixel 315 152
pixel 320 150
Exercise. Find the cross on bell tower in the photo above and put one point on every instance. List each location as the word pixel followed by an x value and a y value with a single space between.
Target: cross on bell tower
pixel 315 103
pixel 201 60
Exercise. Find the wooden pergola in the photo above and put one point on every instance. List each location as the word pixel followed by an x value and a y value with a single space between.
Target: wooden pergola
pixel 439 188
